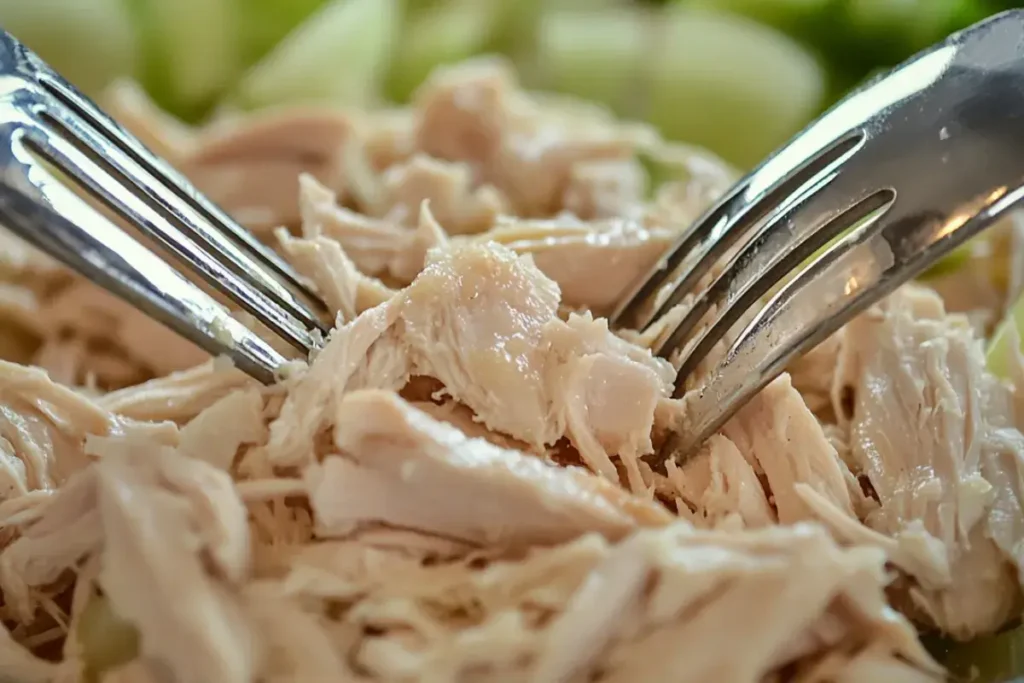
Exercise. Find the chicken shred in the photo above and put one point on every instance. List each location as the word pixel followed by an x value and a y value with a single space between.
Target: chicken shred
pixel 387 443
pixel 935 436
pixel 765 432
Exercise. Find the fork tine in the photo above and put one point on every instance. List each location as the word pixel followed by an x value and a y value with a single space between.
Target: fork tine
pixel 89 166
pixel 632 312
pixel 787 239
pixel 33 204
pixel 858 270
pixel 195 215
pixel 746 226
pixel 738 219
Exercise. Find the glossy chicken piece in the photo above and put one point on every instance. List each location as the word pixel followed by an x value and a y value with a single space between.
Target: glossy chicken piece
pixel 483 322
pixel 594 262
pixel 933 433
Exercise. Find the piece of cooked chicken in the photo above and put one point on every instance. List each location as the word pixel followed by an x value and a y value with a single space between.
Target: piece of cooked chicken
pixel 934 434
pixel 484 323
pixel 405 469
pixel 649 608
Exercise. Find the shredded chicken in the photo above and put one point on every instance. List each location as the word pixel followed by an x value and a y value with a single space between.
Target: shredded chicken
pixel 388 444
pixel 250 168
pixel 455 487
pixel 935 436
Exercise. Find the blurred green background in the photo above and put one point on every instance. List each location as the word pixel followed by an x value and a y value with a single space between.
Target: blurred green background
pixel 737 76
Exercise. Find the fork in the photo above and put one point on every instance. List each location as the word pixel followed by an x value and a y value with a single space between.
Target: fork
pixel 896 175
pixel 46 124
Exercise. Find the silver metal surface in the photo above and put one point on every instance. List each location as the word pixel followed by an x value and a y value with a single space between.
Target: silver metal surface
pixel 902 171
pixel 45 123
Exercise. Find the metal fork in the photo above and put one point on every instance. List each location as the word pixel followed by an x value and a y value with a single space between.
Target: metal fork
pixel 889 180
pixel 45 123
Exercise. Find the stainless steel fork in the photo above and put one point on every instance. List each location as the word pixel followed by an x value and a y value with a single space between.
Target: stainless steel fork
pixel 888 181
pixel 45 123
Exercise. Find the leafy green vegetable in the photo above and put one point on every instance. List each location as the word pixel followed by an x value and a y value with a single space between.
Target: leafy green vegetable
pixel 337 55
pixel 91 42
pixel 729 84
pixel 1000 347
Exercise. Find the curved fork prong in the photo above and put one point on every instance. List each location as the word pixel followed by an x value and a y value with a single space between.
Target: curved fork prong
pixel 858 270
pixel 120 195
pixel 782 247
pixel 634 312
pixel 223 236
pixel 733 226
pixel 167 200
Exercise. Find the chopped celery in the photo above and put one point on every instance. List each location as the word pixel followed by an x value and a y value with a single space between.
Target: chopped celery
pixel 442 34
pixel 107 641
pixel 559 5
pixel 1000 347
pixel 264 23
pixel 519 21
pixel 412 7
pixel 335 56
pixel 190 51
pixel 956 260
pixel 730 84
pixel 992 252
pixel 594 54
pixel 91 42
pixel 660 170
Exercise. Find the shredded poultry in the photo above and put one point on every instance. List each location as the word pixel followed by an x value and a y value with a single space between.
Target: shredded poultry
pixel 454 488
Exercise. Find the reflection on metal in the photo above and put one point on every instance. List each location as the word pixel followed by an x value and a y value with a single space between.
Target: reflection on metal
pixel 65 167
pixel 871 194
